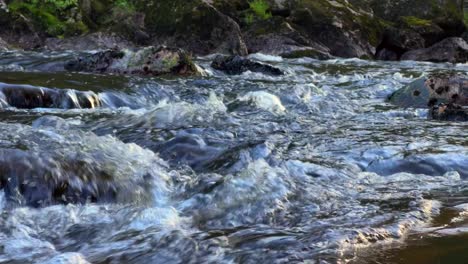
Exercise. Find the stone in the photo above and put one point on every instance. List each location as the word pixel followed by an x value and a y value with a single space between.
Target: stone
pixel 196 26
pixel 234 65
pixel 437 88
pixel 149 61
pixel 453 50
pixel 29 97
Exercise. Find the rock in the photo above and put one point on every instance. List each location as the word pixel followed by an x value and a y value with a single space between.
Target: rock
pixel 414 95
pixel 446 95
pixel 195 26
pixel 3 45
pixel 278 37
pixel 345 30
pixel 29 97
pixel 237 65
pixel 437 88
pixel 396 42
pixel 449 112
pixel 94 41
pixel 150 61
pixel 453 50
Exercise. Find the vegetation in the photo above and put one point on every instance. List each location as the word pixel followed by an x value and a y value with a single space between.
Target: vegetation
pixel 52 16
pixel 415 21
pixel 259 8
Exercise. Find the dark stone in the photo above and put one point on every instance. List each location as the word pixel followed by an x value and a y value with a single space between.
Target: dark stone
pixel 453 50
pixel 29 97
pixel 237 65
pixel 449 112
pixel 194 25
pixel 396 42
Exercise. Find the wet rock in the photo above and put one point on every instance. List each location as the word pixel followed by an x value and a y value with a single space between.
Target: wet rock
pixel 150 61
pixel 453 50
pixel 29 97
pixel 449 112
pixel 94 41
pixel 237 65
pixel 431 90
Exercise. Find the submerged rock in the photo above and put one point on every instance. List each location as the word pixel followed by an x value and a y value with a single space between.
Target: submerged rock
pixel 29 97
pixel 453 50
pixel 237 65
pixel 150 61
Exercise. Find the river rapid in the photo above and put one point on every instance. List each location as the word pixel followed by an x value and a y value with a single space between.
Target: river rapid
pixel 313 166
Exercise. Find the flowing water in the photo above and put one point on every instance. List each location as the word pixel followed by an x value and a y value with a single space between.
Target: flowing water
pixel 313 166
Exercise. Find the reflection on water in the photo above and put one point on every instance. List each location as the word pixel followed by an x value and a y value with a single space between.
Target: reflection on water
pixel 311 166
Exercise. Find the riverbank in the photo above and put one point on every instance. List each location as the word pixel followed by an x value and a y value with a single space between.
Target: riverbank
pixel 320 29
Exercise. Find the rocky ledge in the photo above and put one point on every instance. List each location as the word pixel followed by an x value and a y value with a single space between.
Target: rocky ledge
pixel 320 29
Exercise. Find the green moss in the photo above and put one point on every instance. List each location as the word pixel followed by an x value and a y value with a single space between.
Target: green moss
pixel 260 8
pixel 465 13
pixel 415 21
pixel 50 16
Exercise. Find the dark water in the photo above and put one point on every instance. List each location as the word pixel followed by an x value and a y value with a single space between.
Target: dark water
pixel 314 166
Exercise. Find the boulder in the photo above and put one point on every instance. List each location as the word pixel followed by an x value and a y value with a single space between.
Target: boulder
pixel 93 41
pixel 445 94
pixel 449 112
pixel 396 42
pixel 437 88
pixel 237 65
pixel 278 37
pixel 149 61
pixel 346 31
pixel 29 97
pixel 453 50
pixel 195 25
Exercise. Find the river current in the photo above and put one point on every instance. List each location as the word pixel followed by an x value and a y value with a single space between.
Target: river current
pixel 314 166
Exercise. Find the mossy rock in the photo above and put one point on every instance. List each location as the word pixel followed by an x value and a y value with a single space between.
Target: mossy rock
pixel 193 25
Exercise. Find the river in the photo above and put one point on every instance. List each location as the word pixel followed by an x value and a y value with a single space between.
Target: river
pixel 314 166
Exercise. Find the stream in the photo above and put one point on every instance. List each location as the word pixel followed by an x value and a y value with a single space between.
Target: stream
pixel 311 167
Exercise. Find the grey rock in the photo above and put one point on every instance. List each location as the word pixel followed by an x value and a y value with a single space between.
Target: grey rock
pixel 453 50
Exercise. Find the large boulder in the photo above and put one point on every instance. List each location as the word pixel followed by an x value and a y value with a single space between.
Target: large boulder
pixel 237 65
pixel 453 50
pixel 150 61
pixel 445 94
pixel 416 24
pixel 193 25
pixel 346 31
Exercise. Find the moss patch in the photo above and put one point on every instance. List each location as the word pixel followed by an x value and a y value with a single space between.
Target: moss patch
pixel 415 21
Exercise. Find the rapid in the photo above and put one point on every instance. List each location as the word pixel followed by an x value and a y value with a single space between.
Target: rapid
pixel 313 166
